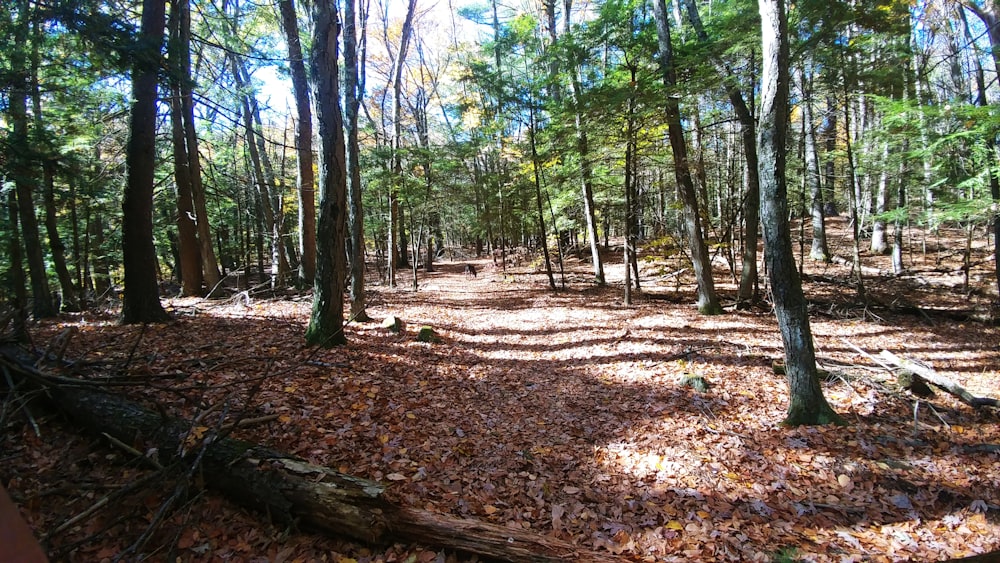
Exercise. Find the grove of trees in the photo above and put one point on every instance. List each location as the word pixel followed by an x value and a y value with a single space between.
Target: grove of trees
pixel 149 141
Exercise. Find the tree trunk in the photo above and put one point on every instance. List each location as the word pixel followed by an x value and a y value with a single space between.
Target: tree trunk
pixel 189 250
pixel 819 250
pixel 326 324
pixel 18 281
pixel 878 243
pixel 397 235
pixel 101 277
pixel 354 86
pixel 21 169
pixel 897 225
pixel 748 133
pixel 141 301
pixel 209 262
pixel 991 20
pixel 70 301
pixel 806 402
pixel 536 167
pixel 583 152
pixel 263 174
pixel 708 302
pixel 305 178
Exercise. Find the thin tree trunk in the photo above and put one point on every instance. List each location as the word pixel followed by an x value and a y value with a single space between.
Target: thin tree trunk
pixel 209 262
pixel 897 226
pixel 263 176
pixel 22 170
pixel 70 301
pixel 536 167
pixel 141 302
pixel 806 402
pixel 15 270
pixel 583 151
pixel 819 250
pixel 101 278
pixel 397 235
pixel 189 250
pixel 853 195
pixel 305 178
pixel 708 302
pixel 991 19
pixel 748 134
pixel 878 243
pixel 354 86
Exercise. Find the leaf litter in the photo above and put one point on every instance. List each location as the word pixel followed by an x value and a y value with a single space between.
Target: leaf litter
pixel 558 412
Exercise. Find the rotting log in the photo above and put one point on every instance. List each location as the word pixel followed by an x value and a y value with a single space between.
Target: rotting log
pixel 934 378
pixel 290 489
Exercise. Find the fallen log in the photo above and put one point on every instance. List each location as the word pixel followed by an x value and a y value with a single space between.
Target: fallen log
pixel 290 489
pixel 941 382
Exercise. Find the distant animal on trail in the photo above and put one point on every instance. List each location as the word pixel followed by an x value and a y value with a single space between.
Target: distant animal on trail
pixel 470 270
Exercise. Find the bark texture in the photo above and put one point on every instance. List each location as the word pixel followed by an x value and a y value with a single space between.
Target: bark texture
pixel 141 300
pixel 326 324
pixel 807 405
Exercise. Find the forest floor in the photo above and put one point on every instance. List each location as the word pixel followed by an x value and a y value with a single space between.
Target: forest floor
pixel 560 412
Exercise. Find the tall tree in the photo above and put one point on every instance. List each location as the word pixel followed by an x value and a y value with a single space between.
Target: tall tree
pixel 21 165
pixel 748 134
pixel 189 249
pixel 397 246
pixel 305 178
pixel 47 152
pixel 326 324
pixel 354 86
pixel 141 301
pixel 807 405
pixel 708 302
pixel 990 16
pixel 209 261
pixel 582 146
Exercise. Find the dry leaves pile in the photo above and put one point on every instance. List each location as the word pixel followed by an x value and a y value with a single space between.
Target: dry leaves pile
pixel 556 412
